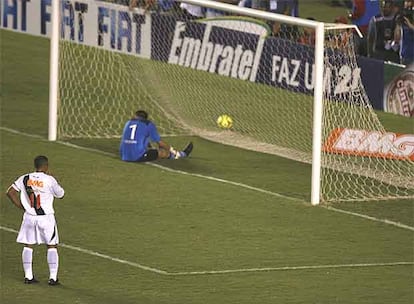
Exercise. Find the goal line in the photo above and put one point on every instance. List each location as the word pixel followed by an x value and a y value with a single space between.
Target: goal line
pixel 275 194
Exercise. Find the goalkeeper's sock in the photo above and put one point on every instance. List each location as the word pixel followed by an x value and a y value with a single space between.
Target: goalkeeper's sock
pixel 27 258
pixel 173 153
pixel 53 261
pixel 180 154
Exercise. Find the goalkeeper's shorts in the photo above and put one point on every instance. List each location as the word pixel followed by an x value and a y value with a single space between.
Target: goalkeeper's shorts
pixel 149 155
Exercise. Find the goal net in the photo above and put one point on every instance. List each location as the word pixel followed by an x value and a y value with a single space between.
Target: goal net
pixel 188 71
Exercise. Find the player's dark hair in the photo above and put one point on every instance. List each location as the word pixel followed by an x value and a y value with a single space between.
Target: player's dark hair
pixel 141 114
pixel 40 161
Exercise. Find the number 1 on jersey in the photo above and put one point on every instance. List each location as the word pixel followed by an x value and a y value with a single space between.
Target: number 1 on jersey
pixel 134 129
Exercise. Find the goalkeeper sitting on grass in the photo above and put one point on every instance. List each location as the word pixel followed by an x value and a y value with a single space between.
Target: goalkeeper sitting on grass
pixel 138 132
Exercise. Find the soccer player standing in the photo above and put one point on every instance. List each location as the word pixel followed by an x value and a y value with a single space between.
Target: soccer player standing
pixel 34 193
pixel 137 135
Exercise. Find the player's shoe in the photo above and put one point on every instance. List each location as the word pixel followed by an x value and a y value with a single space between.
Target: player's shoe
pixel 32 281
pixel 188 149
pixel 52 282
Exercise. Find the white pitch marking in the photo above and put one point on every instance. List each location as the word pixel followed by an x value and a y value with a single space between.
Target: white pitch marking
pixel 101 255
pixel 384 221
pixel 227 182
pixel 285 268
pixel 210 272
pixel 168 169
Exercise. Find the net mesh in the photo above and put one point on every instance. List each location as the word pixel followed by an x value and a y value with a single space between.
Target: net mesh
pixel 258 72
pixel 347 107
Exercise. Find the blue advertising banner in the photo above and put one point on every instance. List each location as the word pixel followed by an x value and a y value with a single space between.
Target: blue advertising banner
pixel 232 47
pixel 225 48
pixel 372 77
pixel 288 65
pixel 207 47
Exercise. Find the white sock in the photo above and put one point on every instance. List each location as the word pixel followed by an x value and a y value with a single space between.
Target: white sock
pixel 173 152
pixel 53 261
pixel 27 258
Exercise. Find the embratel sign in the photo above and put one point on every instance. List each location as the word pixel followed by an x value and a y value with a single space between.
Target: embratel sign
pixel 203 47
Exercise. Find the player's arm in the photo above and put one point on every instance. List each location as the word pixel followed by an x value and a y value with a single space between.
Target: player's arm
pixel 164 149
pixel 164 145
pixel 58 191
pixel 13 195
pixel 155 137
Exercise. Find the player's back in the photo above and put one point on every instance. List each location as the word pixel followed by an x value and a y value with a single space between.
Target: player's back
pixel 136 137
pixel 45 188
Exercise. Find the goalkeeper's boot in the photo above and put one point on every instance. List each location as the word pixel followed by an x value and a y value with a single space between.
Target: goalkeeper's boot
pixel 32 281
pixel 187 150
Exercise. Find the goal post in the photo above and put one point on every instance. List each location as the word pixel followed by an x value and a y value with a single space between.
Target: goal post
pixel 317 122
pixel 292 87
pixel 54 69
pixel 317 115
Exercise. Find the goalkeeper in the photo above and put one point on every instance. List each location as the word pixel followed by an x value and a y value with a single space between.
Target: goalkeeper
pixel 138 133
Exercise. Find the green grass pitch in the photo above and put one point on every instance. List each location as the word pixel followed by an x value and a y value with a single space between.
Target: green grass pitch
pixel 150 217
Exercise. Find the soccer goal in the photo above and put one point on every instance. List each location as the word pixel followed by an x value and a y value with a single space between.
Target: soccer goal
pixel 291 86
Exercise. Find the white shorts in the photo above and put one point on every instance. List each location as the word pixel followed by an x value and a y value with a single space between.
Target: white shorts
pixel 38 229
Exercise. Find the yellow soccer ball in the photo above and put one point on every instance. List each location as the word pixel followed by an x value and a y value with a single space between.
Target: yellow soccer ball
pixel 225 121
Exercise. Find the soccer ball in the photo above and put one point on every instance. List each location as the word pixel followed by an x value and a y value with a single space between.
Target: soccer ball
pixel 225 121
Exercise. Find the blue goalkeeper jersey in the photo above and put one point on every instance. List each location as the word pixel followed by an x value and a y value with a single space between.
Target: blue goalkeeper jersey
pixel 136 137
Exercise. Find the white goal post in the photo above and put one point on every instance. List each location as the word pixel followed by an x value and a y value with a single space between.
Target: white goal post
pixel 53 74
pixel 324 106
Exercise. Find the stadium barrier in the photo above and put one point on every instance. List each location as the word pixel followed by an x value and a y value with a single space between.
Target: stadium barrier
pixel 116 28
